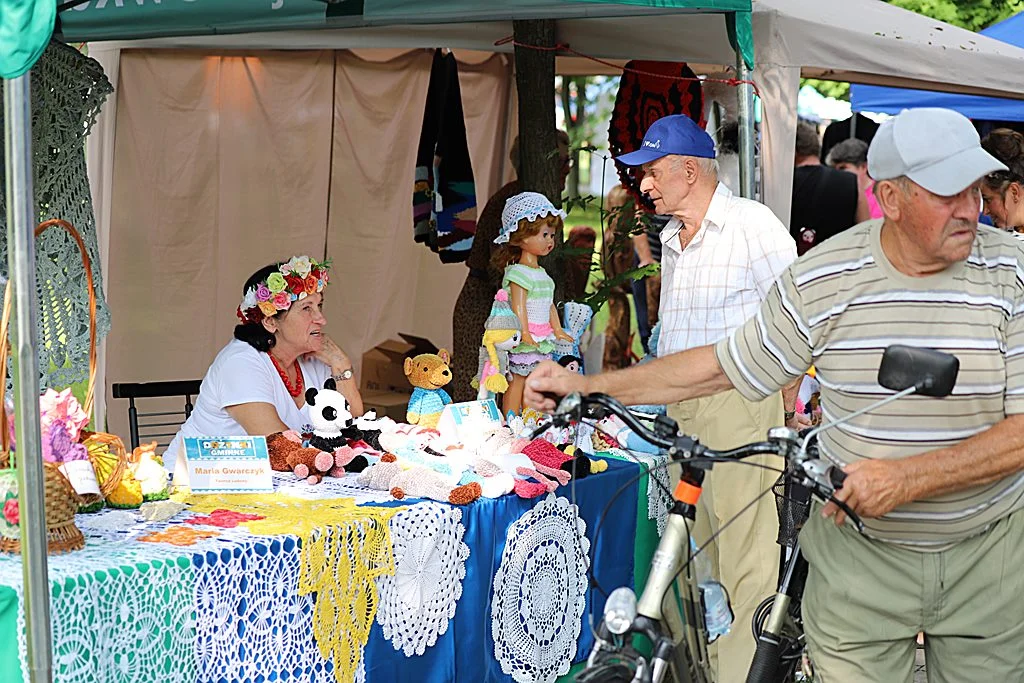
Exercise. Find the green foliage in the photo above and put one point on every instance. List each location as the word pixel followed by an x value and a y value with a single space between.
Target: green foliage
pixel 582 211
pixel 836 89
pixel 973 15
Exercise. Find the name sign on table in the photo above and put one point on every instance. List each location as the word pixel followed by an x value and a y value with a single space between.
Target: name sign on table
pixel 228 464
pixel 470 422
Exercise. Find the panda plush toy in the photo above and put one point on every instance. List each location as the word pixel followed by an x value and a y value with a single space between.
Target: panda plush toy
pixel 329 413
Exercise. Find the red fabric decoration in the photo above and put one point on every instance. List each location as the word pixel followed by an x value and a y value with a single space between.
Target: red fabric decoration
pixel 226 519
pixel 643 99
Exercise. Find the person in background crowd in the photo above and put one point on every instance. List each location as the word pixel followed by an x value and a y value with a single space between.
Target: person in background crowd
pixel 1003 191
pixel 857 126
pixel 474 302
pixel 581 238
pixel 825 201
pixel 852 155
pixel 619 258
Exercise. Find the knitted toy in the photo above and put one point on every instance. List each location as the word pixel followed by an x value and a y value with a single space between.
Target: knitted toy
pixel 502 332
pixel 368 428
pixel 552 461
pixel 417 482
pixel 571 363
pixel 149 472
pixel 427 373
pixel 328 411
pixel 288 455
pixel 576 318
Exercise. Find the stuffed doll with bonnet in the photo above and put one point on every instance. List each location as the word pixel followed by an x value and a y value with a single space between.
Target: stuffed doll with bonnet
pixel 529 223
pixel 502 333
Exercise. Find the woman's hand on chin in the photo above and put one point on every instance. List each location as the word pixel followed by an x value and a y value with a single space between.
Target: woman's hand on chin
pixel 333 355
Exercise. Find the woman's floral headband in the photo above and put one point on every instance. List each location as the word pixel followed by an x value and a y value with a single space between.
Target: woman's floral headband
pixel 293 281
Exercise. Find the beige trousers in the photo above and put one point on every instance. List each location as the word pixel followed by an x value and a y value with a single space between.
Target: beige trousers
pixel 866 601
pixel 745 556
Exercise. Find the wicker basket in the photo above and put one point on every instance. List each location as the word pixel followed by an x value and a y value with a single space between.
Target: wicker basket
pixel 61 500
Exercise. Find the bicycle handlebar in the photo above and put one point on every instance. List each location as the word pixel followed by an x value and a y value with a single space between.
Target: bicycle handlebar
pixel 821 477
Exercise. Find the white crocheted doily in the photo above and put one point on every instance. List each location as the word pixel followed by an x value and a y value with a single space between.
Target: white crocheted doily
pixel 540 592
pixel 418 602
pixel 252 622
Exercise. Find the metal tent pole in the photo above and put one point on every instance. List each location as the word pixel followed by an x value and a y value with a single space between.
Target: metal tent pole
pixel 745 94
pixel 21 260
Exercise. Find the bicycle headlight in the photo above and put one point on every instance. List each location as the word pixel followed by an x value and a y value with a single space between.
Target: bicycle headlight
pixel 620 610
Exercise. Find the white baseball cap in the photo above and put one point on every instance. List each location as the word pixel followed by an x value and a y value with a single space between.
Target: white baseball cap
pixel 938 149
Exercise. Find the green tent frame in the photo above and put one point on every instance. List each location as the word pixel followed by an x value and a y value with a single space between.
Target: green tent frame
pixel 93 20
pixel 25 29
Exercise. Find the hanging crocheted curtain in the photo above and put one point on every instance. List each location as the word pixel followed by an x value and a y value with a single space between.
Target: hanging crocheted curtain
pixel 68 89
pixel 647 92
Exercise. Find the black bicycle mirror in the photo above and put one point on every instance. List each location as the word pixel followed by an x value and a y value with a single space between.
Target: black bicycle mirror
pixel 931 372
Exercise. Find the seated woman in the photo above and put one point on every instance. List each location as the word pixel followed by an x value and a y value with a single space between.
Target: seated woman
pixel 257 383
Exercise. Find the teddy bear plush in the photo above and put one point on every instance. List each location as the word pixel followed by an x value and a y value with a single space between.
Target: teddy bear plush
pixel 287 454
pixel 427 373
pixel 329 413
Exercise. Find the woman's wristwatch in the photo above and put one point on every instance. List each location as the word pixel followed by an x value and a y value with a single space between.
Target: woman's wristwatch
pixel 343 376
pixel 789 415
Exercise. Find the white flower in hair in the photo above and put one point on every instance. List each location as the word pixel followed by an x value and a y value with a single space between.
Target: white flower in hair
pixel 299 265
pixel 249 300
pixel 528 205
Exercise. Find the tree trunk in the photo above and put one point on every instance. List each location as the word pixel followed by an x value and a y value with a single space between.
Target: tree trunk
pixel 572 183
pixel 577 131
pixel 535 80
pixel 539 168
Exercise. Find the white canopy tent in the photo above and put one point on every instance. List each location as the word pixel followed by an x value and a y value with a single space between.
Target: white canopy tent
pixel 865 41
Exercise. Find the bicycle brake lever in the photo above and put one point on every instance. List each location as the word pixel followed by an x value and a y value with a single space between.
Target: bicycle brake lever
pixel 849 513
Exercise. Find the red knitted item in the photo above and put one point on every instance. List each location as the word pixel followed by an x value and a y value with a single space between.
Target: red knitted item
pixel 545 453
pixel 562 476
pixel 529 489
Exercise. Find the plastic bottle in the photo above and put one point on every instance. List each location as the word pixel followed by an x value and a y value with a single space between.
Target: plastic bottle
pixel 718 615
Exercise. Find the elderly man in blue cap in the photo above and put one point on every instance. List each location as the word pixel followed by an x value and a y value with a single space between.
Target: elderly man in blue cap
pixel 720 256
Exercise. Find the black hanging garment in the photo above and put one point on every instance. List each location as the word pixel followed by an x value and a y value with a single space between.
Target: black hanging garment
pixel 824 204
pixel 444 195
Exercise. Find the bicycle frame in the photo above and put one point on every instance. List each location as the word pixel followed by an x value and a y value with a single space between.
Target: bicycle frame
pixel 766 665
pixel 690 664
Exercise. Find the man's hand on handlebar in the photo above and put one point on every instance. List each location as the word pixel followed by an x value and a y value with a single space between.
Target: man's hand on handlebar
pixel 548 383
pixel 872 488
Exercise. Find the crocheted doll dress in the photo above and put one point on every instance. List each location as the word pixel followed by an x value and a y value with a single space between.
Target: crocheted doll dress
pixel 540 294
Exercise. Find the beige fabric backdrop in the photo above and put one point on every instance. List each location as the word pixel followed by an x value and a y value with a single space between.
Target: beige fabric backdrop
pixel 223 163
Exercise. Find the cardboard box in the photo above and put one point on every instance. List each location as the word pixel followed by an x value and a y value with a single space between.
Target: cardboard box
pixel 383 369
pixel 388 403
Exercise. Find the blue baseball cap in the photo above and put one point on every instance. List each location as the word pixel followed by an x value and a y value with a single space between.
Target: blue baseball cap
pixel 676 134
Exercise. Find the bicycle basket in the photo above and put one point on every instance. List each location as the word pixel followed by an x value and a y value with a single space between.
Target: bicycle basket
pixel 794 504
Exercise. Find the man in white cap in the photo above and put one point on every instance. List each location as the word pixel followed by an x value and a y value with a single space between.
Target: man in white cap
pixel 720 256
pixel 939 483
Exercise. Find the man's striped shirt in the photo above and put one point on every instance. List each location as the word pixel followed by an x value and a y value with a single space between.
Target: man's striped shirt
pixel 840 306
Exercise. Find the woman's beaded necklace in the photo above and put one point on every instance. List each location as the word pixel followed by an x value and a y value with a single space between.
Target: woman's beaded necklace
pixel 300 385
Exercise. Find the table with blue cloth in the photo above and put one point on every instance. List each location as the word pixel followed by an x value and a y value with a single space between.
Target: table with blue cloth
pixel 229 607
